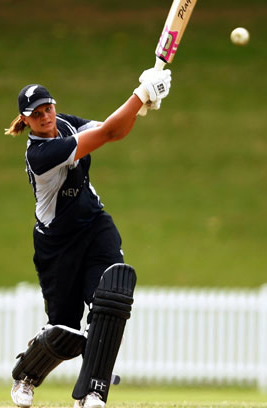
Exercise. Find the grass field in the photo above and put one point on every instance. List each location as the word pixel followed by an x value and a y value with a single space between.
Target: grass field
pixel 187 188
pixel 49 395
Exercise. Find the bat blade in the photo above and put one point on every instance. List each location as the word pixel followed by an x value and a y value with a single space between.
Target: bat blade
pixel 175 25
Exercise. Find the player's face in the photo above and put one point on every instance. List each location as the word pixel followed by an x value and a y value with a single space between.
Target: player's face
pixel 42 121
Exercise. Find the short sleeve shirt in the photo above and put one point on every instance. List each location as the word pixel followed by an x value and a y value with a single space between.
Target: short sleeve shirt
pixel 65 198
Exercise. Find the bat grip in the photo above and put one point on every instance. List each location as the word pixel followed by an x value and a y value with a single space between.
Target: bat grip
pixel 159 65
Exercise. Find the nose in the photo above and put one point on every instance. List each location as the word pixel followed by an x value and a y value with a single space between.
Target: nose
pixel 44 114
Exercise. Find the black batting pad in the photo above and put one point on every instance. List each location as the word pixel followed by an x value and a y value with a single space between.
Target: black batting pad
pixel 46 351
pixel 111 308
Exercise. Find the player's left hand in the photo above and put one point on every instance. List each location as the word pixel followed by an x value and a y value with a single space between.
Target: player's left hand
pixel 160 80
pixel 155 85
pixel 153 73
pixel 149 106
pixel 153 105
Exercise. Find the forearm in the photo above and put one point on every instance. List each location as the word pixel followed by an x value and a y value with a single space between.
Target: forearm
pixel 120 123
pixel 115 127
pixel 155 86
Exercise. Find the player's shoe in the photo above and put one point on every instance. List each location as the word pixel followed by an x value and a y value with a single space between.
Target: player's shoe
pixel 22 393
pixel 92 400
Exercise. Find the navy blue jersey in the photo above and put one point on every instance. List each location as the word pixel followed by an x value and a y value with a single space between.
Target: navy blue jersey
pixel 65 198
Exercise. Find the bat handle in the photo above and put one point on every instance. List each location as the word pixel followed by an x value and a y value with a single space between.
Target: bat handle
pixel 159 65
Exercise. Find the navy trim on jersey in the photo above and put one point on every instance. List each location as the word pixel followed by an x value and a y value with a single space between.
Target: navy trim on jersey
pixel 65 198
pixel 43 156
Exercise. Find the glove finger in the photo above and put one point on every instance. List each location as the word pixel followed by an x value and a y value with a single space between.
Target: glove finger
pixel 163 75
pixel 167 72
pixel 143 75
pixel 167 79
pixel 157 104
pixel 147 75
pixel 142 111
pixel 151 75
pixel 167 85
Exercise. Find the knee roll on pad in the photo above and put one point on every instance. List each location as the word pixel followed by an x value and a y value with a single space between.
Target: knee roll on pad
pixel 46 351
pixel 111 309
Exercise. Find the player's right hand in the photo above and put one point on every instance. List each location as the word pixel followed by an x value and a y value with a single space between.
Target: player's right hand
pixel 149 106
pixel 151 73
pixel 154 85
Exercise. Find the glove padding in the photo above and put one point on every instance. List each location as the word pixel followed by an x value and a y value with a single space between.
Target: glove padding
pixel 155 85
pixel 150 74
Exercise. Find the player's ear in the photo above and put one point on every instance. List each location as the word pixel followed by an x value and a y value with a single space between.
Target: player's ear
pixel 24 119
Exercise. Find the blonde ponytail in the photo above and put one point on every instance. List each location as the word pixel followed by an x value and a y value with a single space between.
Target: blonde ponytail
pixel 17 126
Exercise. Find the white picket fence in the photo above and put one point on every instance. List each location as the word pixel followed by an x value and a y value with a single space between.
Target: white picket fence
pixel 187 336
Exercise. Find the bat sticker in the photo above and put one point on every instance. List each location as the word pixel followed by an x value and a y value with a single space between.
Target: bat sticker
pixel 167 44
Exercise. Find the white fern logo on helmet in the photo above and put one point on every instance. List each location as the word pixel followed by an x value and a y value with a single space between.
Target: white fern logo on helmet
pixel 30 91
pixel 32 96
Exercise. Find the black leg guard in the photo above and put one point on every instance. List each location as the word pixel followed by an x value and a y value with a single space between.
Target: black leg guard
pixel 46 351
pixel 111 309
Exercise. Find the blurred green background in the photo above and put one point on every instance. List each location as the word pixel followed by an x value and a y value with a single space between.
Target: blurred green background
pixel 188 187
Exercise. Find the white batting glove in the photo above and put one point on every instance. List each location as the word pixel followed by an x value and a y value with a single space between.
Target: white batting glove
pixel 154 105
pixel 154 74
pixel 149 106
pixel 155 85
pixel 151 73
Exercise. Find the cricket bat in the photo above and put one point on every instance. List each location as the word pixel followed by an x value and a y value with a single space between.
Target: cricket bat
pixel 175 25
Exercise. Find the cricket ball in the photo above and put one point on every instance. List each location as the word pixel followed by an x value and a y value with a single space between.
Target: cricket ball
pixel 240 36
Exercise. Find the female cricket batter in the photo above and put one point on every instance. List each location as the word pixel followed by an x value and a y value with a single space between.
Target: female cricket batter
pixel 75 240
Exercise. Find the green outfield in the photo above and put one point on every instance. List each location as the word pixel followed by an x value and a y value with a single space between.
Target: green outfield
pixel 188 187
pixel 59 395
